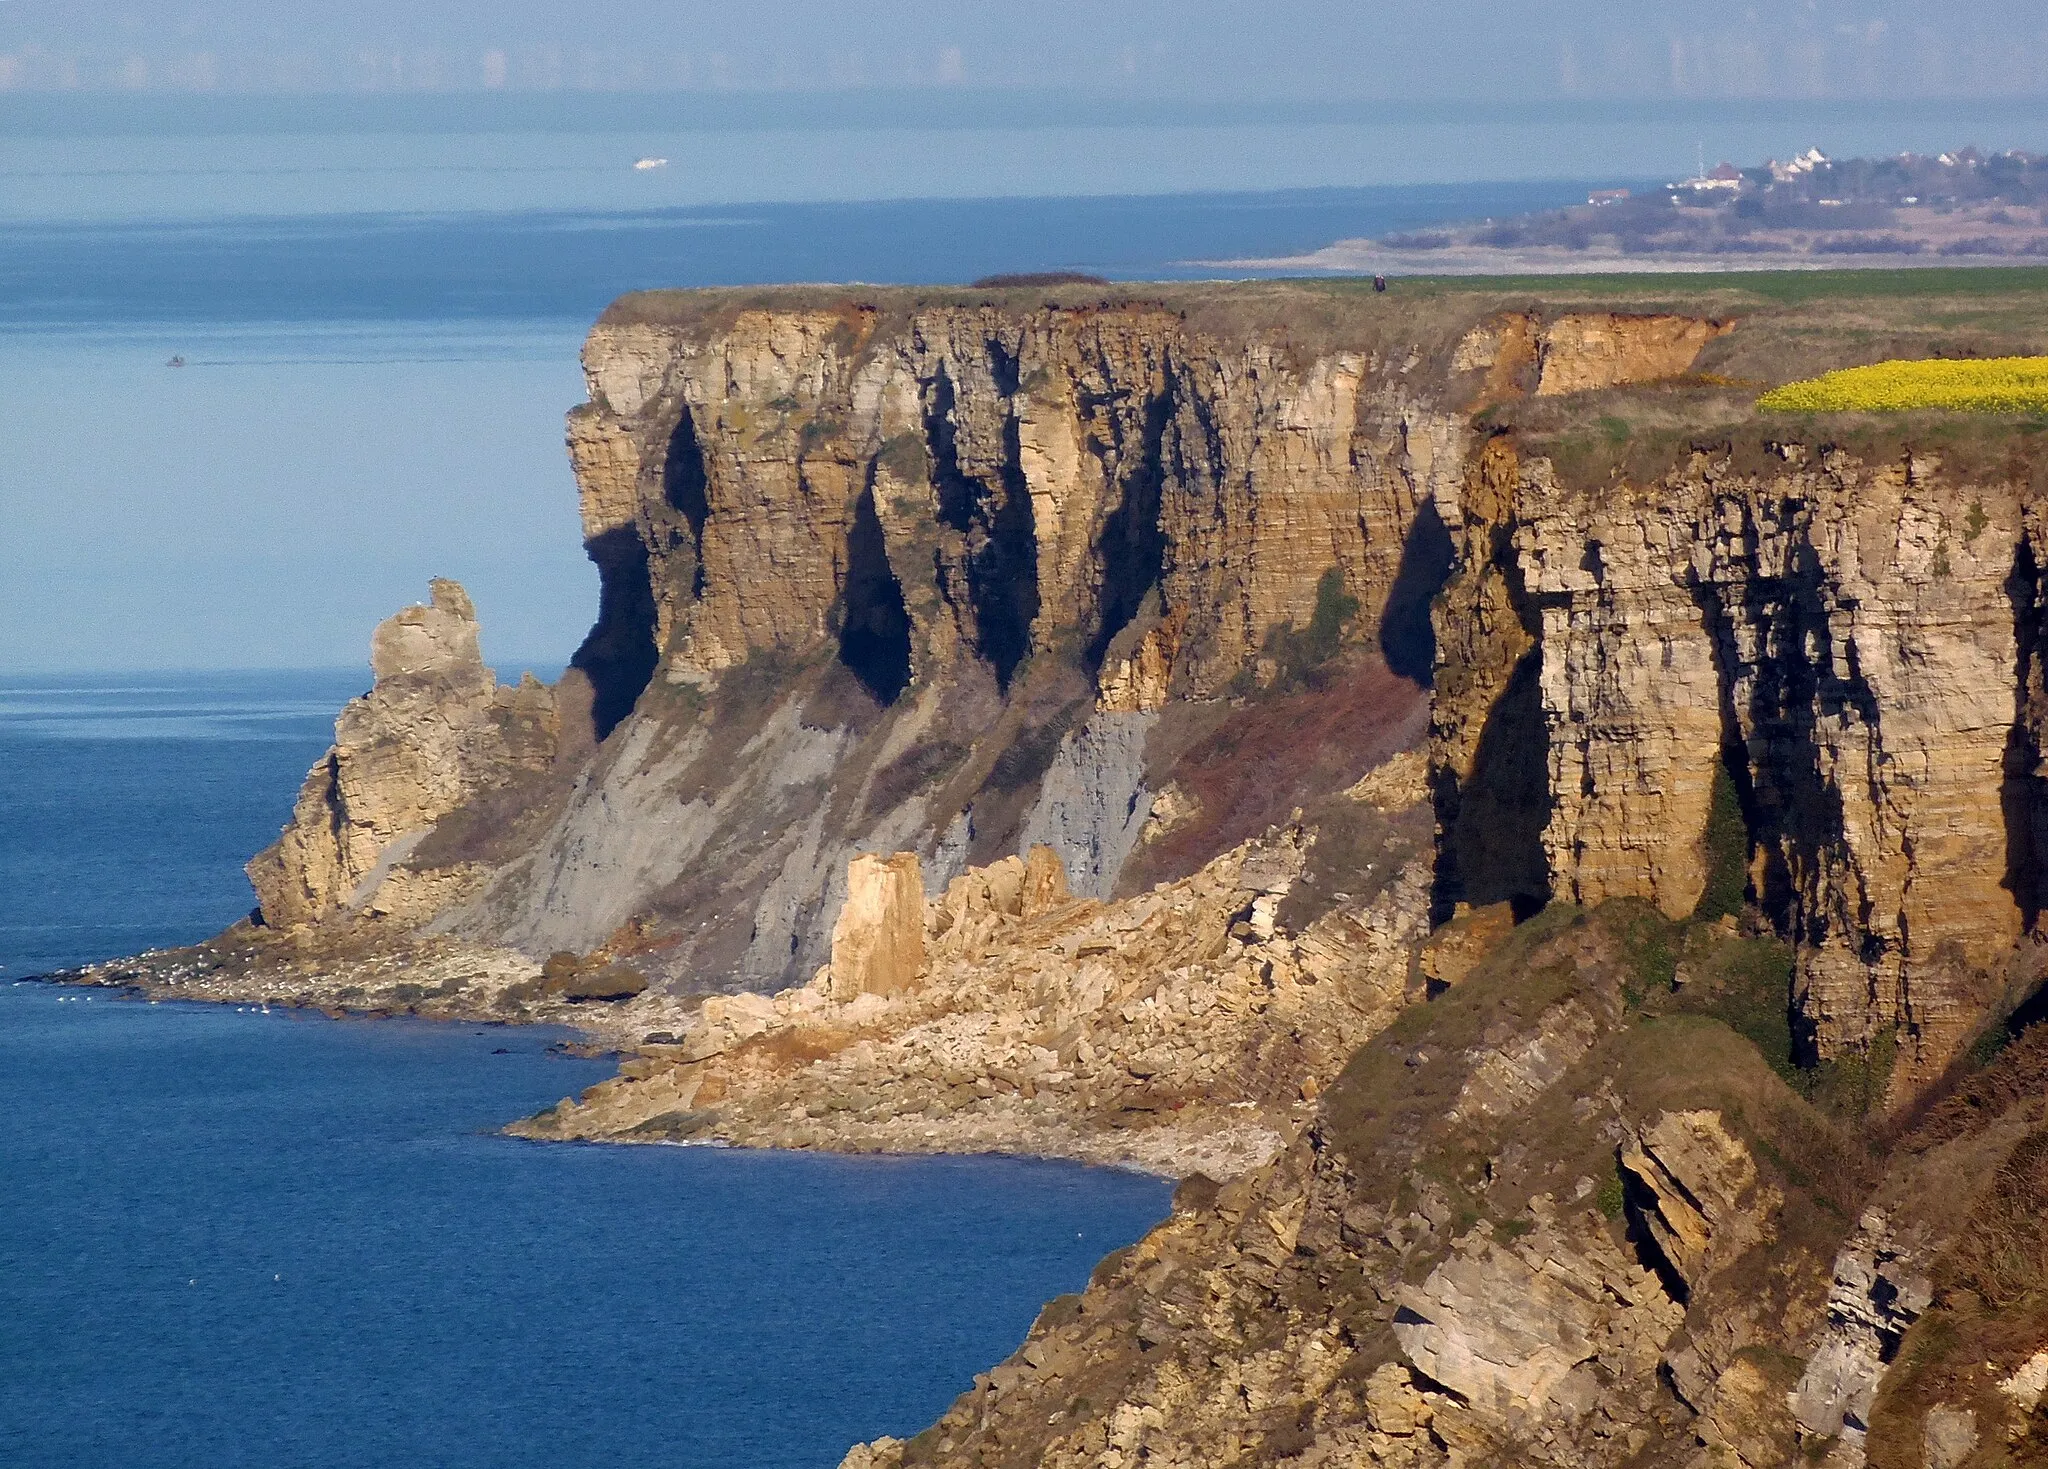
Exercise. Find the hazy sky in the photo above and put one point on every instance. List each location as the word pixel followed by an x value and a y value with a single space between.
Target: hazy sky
pixel 1188 48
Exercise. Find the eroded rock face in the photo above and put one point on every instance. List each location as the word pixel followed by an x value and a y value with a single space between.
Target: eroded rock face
pixel 963 568
pixel 1839 636
pixel 435 729
pixel 1030 476
pixel 1694 1183
pixel 922 572
pixel 1521 352
pixel 1585 350
pixel 1403 1286
pixel 1880 1286
pixel 1513 1329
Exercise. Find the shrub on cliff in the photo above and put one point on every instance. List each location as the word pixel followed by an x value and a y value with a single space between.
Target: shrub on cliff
pixel 1299 653
pixel 1727 852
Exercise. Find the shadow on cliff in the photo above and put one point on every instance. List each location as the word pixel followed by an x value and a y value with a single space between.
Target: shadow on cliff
pixel 619 656
pixel 2023 794
pixel 1494 819
pixel 874 632
pixel 1132 549
pixel 1407 639
pixel 998 529
pixel 686 489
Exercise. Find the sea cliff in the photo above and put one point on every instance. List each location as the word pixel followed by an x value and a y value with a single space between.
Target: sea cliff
pixel 1551 855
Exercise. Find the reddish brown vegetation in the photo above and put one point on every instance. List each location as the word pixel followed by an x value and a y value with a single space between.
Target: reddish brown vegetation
pixel 1273 755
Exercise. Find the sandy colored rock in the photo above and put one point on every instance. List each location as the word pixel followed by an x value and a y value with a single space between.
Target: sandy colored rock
pixel 1044 885
pixel 435 729
pixel 1506 1327
pixel 1828 620
pixel 1457 948
pixel 1950 1436
pixel 1697 1181
pixel 878 941
pixel 1585 350
pixel 1157 1031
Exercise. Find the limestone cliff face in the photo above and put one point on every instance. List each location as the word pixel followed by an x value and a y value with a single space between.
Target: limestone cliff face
pixel 1007 482
pixel 960 560
pixel 958 577
pixel 912 575
pixel 435 729
pixel 1836 638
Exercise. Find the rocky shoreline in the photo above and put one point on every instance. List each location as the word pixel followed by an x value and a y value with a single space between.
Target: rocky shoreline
pixel 1182 1031
pixel 450 981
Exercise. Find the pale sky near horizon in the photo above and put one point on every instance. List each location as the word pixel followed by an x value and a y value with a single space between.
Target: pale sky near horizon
pixel 1290 48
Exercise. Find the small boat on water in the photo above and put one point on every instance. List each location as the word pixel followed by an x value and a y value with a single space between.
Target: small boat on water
pixel 646 163
pixel 175 362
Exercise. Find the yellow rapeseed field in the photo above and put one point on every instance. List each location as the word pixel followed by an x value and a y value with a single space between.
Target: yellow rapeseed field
pixel 1993 385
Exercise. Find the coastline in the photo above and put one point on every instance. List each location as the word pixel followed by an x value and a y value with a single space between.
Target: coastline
pixel 1368 257
pixel 442 980
pixel 433 979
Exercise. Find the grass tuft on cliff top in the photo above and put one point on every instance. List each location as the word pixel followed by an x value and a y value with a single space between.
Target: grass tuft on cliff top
pixel 1994 385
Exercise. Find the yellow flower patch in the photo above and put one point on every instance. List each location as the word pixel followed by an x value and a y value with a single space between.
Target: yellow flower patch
pixel 1992 385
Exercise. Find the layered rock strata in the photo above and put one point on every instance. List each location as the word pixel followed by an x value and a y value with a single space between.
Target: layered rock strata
pixel 956 577
pixel 972 567
pixel 1834 637
pixel 1534 1224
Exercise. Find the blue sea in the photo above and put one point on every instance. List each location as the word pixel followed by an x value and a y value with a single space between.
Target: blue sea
pixel 230 1237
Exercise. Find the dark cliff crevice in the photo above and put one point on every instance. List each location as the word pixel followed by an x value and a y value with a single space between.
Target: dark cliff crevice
pixel 874 630
pixel 1004 369
pixel 685 489
pixel 2023 794
pixel 619 655
pixel 958 495
pixel 1004 571
pixel 1772 697
pixel 1131 552
pixel 999 532
pixel 1407 637
pixel 1734 760
pixel 1798 680
pixel 1494 820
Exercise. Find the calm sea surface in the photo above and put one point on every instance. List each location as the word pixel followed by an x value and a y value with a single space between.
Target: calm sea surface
pixel 236 1238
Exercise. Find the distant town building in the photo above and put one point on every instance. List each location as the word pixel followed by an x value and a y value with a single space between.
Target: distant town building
pixel 1806 162
pixel 1724 179
pixel 1607 196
